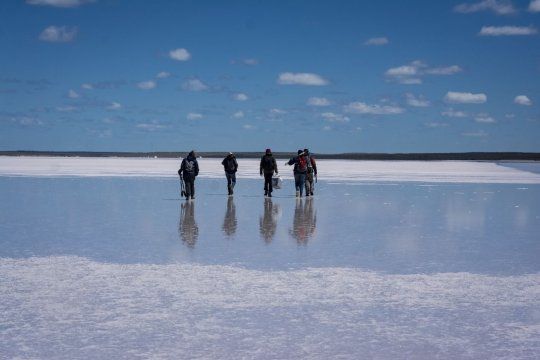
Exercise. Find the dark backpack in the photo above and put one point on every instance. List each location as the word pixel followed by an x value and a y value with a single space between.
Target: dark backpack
pixel 189 166
pixel 302 164
pixel 268 163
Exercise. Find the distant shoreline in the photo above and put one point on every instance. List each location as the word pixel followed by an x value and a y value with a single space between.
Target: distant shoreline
pixel 479 156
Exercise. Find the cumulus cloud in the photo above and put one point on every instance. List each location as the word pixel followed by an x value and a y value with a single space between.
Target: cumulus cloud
pixel 194 116
pixel 318 101
pixel 58 34
pixel 87 86
pixel 454 113
pixel 377 41
pixel 308 79
pixel 500 7
pixel 507 31
pixel 248 126
pixel 484 118
pixel 238 115
pixel 60 3
pixel 114 106
pixel 465 98
pixel 163 75
pixel 240 97
pixel 194 85
pixel 358 107
pixel 180 54
pixel 329 116
pixel 147 85
pixel 73 94
pixel 411 74
pixel 419 101
pixel 534 6
pixel 522 100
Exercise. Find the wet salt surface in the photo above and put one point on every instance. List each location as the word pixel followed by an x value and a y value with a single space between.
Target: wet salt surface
pixel 123 268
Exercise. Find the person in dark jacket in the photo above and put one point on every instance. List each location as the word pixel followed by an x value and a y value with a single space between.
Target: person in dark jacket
pixel 311 172
pixel 300 171
pixel 231 167
pixel 268 167
pixel 189 171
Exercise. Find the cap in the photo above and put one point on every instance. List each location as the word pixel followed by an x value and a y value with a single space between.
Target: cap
pixel 268 151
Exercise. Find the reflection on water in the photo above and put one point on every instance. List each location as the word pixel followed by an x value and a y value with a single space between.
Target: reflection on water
pixel 229 222
pixel 187 227
pixel 268 222
pixel 305 220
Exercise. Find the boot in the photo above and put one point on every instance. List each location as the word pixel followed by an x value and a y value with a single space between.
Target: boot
pixel 298 194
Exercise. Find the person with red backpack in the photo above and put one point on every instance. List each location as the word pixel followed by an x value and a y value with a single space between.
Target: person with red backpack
pixel 311 172
pixel 300 172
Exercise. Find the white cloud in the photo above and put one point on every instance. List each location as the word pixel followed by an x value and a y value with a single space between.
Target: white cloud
pixel 240 97
pixel 180 54
pixel 327 128
pixel 194 116
pixel 318 101
pixel 500 7
pixel 435 124
pixel 377 41
pixel 276 111
pixel 416 101
pixel 26 121
pixel 484 118
pixel 146 85
pixel 454 113
pixel 480 133
pixel 522 100
pixel 73 94
pixel 238 115
pixel 510 116
pixel 58 34
pixel 507 30
pixel 534 6
pixel 163 75
pixel 464 98
pixel 194 85
pixel 363 108
pixel 87 86
pixel 152 126
pixel 114 106
pixel 248 126
pixel 250 62
pixel 308 79
pixel 411 74
pixel 329 116
pixel 448 70
pixel 59 3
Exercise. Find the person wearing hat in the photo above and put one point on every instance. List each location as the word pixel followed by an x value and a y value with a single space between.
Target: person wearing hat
pixel 300 171
pixel 268 167
pixel 231 167
pixel 189 169
pixel 311 171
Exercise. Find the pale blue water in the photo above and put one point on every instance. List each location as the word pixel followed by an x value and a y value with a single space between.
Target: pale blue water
pixel 398 228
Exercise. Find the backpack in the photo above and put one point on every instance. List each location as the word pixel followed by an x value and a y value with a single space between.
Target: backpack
pixel 268 163
pixel 189 166
pixel 302 164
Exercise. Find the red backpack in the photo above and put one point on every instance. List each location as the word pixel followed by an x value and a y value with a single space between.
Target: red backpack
pixel 302 164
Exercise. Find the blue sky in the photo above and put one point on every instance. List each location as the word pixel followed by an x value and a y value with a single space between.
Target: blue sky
pixel 335 76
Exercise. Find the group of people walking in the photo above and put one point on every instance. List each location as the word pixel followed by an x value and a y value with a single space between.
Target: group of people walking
pixel 305 173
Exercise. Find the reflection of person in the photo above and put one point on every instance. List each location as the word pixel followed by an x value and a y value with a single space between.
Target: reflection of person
pixel 229 222
pixel 230 166
pixel 189 170
pixel 268 166
pixel 268 222
pixel 187 227
pixel 305 221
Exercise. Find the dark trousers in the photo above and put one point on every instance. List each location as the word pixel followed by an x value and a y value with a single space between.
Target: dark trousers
pixel 268 182
pixel 189 182
pixel 231 181
pixel 299 182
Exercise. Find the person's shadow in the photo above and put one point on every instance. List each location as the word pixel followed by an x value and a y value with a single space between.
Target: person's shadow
pixel 305 220
pixel 268 221
pixel 229 222
pixel 187 226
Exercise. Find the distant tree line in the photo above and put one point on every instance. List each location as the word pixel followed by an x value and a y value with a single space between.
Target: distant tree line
pixel 487 156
